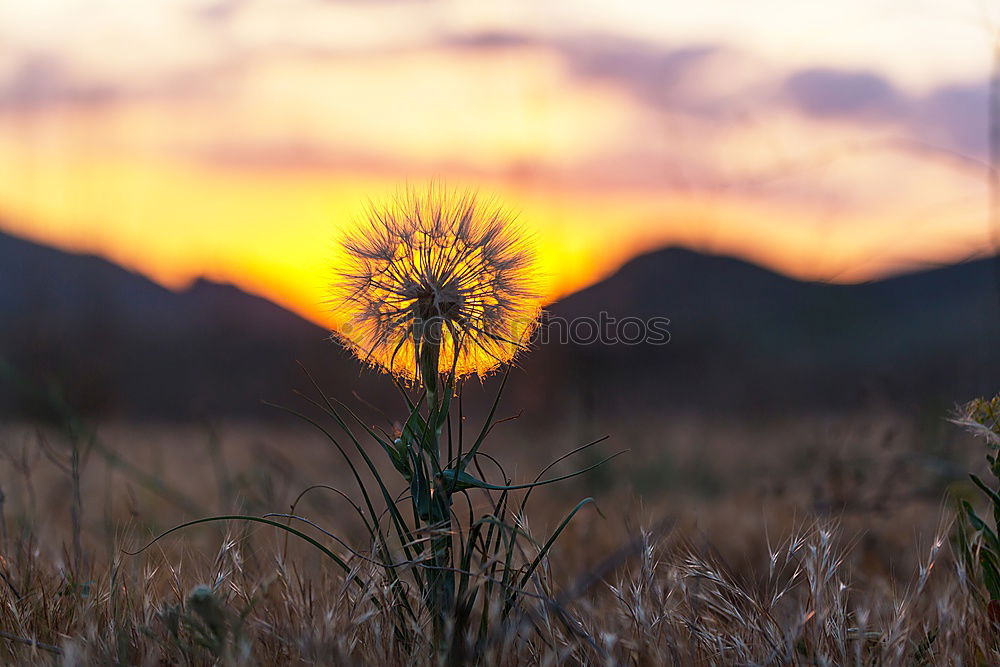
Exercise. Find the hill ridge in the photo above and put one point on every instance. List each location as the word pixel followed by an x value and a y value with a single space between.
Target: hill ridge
pixel 741 334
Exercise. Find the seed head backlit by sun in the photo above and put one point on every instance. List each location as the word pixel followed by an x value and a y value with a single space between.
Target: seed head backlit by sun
pixel 439 266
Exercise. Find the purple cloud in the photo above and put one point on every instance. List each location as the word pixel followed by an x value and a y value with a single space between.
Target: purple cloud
pixel 41 80
pixel 830 92
pixel 952 117
pixel 959 116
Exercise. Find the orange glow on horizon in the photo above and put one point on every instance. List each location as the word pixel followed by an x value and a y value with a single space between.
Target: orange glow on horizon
pixel 275 233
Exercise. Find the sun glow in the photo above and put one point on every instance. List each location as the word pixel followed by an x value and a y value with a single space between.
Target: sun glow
pixel 275 232
pixel 436 277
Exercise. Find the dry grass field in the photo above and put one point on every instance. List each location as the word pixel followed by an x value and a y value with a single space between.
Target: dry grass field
pixel 813 539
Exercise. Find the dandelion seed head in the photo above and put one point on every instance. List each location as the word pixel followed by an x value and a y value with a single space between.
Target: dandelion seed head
pixel 436 264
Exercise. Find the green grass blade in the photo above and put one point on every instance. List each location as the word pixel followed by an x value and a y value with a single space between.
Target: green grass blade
pixel 241 517
pixel 464 480
pixel 398 523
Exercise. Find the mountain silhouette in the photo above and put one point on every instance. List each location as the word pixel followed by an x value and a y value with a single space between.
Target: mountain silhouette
pixel 743 337
pixel 114 344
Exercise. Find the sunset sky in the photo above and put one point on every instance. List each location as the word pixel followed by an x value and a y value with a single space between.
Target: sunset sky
pixel 235 138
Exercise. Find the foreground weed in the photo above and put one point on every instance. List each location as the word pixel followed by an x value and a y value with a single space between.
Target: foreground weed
pixel 978 541
pixel 437 288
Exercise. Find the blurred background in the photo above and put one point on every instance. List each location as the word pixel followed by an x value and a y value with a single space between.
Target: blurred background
pixel 802 188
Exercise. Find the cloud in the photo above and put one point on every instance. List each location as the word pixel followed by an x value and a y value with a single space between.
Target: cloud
pixel 490 40
pixel 704 82
pixel 714 82
pixel 830 92
pixel 683 79
pixel 220 11
pixel 952 117
pixel 958 115
pixel 38 81
pixel 657 76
